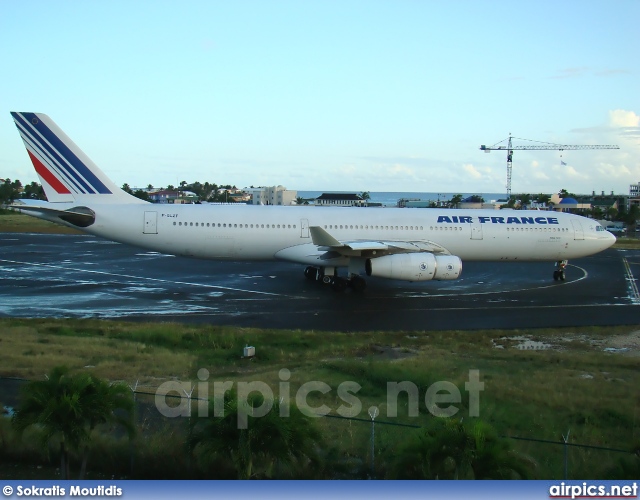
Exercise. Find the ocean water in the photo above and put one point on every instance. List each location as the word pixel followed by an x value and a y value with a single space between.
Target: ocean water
pixel 390 198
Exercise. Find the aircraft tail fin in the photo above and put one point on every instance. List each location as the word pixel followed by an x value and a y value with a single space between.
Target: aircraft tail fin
pixel 65 172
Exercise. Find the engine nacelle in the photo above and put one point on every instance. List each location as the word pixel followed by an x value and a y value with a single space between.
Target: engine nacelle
pixel 415 267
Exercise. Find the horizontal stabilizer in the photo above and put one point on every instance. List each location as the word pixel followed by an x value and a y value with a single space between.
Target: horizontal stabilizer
pixel 77 216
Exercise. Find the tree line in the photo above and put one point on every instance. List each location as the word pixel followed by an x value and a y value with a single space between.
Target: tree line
pixel 207 191
pixel 12 190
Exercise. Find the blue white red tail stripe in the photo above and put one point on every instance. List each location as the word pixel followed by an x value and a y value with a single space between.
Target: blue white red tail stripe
pixel 55 154
pixel 46 166
pixel 46 174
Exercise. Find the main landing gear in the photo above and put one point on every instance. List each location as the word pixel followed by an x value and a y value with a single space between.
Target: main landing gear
pixel 329 276
pixel 558 274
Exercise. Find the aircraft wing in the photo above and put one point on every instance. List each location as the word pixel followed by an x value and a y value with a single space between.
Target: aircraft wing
pixel 366 248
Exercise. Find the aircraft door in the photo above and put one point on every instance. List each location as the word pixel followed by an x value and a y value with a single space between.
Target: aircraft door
pixel 476 231
pixel 577 230
pixel 150 223
pixel 304 228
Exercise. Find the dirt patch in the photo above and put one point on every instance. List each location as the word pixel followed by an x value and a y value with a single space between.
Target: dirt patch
pixel 387 352
pixel 627 344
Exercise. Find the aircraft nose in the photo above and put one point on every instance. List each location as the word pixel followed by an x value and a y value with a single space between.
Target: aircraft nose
pixel 611 239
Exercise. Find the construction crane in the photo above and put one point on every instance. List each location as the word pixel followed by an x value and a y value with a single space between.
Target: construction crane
pixel 509 148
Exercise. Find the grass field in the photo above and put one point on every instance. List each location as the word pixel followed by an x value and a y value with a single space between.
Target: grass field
pixel 538 383
pixel 12 222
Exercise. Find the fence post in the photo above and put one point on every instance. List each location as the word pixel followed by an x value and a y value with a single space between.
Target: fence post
pixel 134 390
pixel 373 413
pixel 566 454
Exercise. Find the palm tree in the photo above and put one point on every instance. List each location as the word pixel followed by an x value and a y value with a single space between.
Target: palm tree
pixel 70 407
pixel 267 442
pixel 542 198
pixel 455 201
pixel 104 404
pixel 449 449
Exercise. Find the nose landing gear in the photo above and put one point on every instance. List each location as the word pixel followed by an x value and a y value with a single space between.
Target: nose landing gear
pixel 558 274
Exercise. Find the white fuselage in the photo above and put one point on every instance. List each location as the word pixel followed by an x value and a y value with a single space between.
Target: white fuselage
pixel 242 232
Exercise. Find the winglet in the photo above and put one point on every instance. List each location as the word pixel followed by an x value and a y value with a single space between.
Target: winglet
pixel 323 239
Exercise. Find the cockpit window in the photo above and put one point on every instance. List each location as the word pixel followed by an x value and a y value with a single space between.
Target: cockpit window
pixel 600 228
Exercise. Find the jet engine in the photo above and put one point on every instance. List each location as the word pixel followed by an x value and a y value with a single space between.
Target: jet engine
pixel 420 266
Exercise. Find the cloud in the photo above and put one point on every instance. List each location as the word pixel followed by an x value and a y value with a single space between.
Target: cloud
pixel 568 172
pixel 623 118
pixel 401 170
pixel 571 73
pixel 611 171
pixel 612 72
pixel 626 124
pixel 472 171
pixel 536 173
pixel 622 124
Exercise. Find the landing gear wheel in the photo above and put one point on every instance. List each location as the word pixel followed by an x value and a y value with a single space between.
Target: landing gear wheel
pixel 358 283
pixel 338 284
pixel 314 273
pixel 558 274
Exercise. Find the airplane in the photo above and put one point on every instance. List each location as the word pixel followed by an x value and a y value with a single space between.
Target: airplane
pixel 401 244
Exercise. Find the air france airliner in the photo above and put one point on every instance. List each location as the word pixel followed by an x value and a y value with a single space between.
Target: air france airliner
pixel 339 246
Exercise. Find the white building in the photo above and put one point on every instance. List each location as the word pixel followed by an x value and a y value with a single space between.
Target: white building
pixel 634 195
pixel 273 195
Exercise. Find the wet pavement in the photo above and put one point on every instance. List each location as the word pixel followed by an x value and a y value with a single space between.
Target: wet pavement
pixel 43 275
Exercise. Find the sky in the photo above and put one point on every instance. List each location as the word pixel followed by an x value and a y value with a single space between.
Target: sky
pixel 330 95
